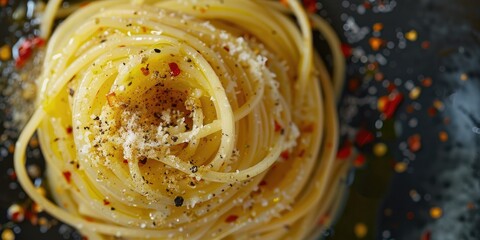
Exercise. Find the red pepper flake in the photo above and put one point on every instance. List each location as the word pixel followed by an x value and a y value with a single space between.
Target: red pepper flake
pixel 125 161
pixel 284 2
pixel 301 153
pixel 364 137
pixel 414 142
pixel 68 176
pixel 323 219
pixel 145 70
pixel 346 50
pixel 425 44
pixel 231 218
pixel 345 151
pixel 69 130
pixel 278 127
pixel 310 5
pixel 174 69
pixel 389 106
pixel 16 213
pixel 26 49
pixel 262 183
pixel 410 109
pixel 432 111
pixel 353 85
pixel 359 161
pixel 106 202
pixel 226 48
pixel 367 5
pixel 427 235
pixel 427 82
pixel 308 128
pixel 391 87
pixel 12 175
pixel 285 154
pixel 410 215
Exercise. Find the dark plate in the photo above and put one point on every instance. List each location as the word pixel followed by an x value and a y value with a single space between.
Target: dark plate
pixel 421 175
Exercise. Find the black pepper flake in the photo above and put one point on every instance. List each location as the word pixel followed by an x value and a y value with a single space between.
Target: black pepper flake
pixel 174 138
pixel 71 91
pixel 178 201
pixel 157 50
pixel 142 160
pixel 194 169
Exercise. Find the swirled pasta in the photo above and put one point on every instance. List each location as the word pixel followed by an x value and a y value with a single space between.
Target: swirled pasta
pixel 187 120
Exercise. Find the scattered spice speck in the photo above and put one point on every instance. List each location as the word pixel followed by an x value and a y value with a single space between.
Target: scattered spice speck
pixel 360 229
pixel 5 52
pixel 411 35
pixel 414 142
pixel 8 234
pixel 436 212
pixel 377 27
pixel 380 149
pixel 376 43
pixel 400 167
pixel 443 136
pixel 231 218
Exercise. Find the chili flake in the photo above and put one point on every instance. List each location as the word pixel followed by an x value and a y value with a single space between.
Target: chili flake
pixel 285 154
pixel 364 137
pixel 174 69
pixel 68 176
pixel 345 151
pixel 414 142
pixel 145 70
pixel 310 5
pixel 278 127
pixel 427 235
pixel 360 160
pixel 346 50
pixel 231 218
pixel 26 49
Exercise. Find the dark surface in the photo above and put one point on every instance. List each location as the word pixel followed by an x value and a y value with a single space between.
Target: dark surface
pixel 392 204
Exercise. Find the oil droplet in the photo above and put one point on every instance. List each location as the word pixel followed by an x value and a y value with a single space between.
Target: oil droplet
pixel 8 234
pixel 360 230
pixel 443 136
pixel 436 212
pixel 411 35
pixel 400 167
pixel 380 149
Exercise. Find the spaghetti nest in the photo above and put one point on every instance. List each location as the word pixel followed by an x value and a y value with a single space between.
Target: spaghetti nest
pixel 187 120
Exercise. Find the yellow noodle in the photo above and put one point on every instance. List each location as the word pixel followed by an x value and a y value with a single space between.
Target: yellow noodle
pixel 188 120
